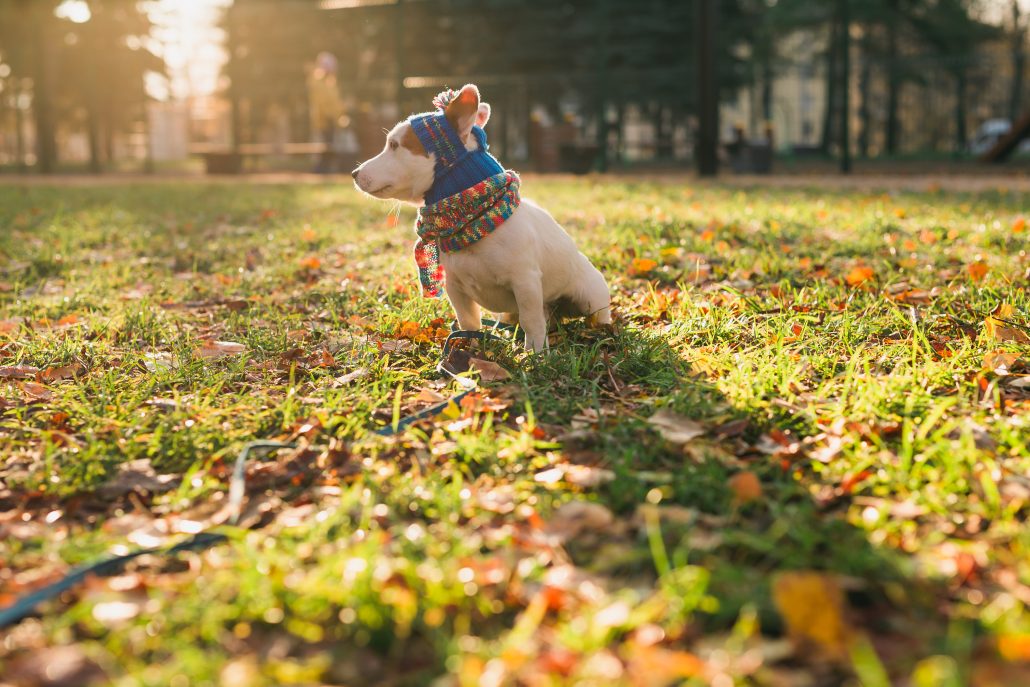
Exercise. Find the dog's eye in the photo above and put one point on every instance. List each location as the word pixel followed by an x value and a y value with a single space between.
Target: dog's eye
pixel 393 145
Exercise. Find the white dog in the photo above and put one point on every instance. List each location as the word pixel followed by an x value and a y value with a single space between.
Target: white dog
pixel 489 247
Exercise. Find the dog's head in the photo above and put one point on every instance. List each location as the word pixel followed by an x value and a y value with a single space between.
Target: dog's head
pixel 405 170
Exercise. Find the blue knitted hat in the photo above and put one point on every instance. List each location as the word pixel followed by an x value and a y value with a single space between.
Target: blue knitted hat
pixel 457 167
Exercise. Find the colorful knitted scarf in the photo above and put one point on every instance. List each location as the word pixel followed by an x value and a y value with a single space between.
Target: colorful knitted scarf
pixel 459 221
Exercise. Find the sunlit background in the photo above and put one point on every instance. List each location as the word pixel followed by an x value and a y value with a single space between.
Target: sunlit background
pixel 179 84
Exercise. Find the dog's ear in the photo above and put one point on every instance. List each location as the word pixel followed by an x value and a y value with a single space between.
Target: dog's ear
pixel 463 110
pixel 483 116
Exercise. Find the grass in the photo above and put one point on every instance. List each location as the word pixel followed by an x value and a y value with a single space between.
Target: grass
pixel 851 513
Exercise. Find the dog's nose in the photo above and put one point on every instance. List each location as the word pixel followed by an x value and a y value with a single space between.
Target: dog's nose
pixel 354 173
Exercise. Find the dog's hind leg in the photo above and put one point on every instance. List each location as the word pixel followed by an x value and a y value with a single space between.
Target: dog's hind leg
pixel 594 300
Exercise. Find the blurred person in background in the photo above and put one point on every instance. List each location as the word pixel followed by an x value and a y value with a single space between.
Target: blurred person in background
pixel 326 107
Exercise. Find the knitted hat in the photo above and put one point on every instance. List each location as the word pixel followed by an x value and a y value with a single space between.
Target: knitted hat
pixel 457 168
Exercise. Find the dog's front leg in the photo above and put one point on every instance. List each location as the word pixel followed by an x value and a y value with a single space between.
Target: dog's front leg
pixel 529 295
pixel 466 309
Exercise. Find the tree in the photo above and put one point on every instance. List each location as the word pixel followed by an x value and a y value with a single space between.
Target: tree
pixel 1019 33
pixel 951 32
pixel 106 48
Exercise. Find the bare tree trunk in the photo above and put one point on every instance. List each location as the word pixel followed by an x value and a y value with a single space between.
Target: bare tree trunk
pixel 893 79
pixel 19 126
pixel 832 69
pixel 864 85
pixel 960 112
pixel 1018 63
pixel 42 108
pixel 767 90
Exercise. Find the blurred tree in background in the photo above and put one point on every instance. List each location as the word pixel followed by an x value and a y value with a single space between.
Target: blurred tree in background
pixel 914 75
pixel 83 65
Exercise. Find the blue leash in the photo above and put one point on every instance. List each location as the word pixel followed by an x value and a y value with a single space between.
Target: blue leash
pixel 112 565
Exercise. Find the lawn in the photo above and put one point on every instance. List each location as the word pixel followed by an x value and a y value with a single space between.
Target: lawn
pixel 799 457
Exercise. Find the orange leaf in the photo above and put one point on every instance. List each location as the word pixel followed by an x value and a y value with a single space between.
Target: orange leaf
pixel 1000 362
pixel 745 487
pixel 643 265
pixel 392 219
pixel 977 270
pixel 1014 647
pixel 1019 226
pixel 311 262
pixel 812 606
pixel 859 275
pixel 308 234
pixel 9 326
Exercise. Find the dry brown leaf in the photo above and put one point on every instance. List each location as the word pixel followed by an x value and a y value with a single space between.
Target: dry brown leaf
pixel 812 607
pixel 9 326
pixel 1001 362
pixel 64 666
pixel 488 370
pixel 36 392
pixel 745 487
pixel 429 396
pixel 676 428
pixel 576 517
pixel 137 475
pixel 1000 329
pixel 18 372
pixel 212 350
pixel 354 375
pixel 54 374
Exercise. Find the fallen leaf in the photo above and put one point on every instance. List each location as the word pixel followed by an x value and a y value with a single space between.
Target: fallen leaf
pixel 429 396
pixel 114 613
pixel 812 607
pixel 745 487
pixel 63 666
pixel 999 328
pixel 9 326
pixel 350 377
pixel 1001 362
pixel 576 517
pixel 212 350
pixel 1015 647
pixel 651 666
pixel 859 275
pixel 18 372
pixel 137 476
pixel 642 266
pixel 311 262
pixel 35 391
pixel 54 374
pixel 1019 226
pixel 674 427
pixel 489 371
pixel 161 360
pixel 977 270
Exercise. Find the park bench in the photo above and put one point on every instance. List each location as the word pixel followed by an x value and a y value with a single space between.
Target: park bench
pixel 222 159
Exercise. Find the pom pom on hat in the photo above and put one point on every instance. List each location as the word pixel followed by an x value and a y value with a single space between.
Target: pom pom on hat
pixel 444 98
